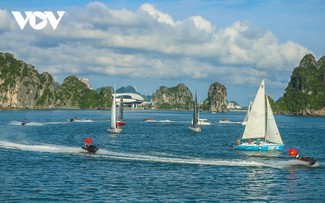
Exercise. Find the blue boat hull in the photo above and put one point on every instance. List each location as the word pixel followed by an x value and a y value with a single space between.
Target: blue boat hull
pixel 262 147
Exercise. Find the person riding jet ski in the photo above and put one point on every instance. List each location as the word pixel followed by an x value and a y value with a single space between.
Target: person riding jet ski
pixel 88 146
pixel 293 152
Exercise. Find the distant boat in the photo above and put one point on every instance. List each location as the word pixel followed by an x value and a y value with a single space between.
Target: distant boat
pixel 148 120
pixel 195 120
pixel 261 126
pixel 247 113
pixel 120 117
pixel 73 119
pixel 24 122
pixel 202 121
pixel 114 129
pixel 224 120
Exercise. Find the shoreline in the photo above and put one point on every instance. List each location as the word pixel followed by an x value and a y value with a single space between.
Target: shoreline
pixel 146 109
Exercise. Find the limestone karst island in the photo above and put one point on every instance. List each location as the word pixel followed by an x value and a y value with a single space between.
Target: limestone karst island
pixel 22 87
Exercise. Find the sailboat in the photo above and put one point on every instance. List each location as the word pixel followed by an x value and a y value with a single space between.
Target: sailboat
pixel 195 120
pixel 247 113
pixel 114 129
pixel 261 131
pixel 120 121
pixel 201 121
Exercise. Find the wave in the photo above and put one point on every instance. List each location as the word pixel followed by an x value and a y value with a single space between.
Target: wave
pixel 83 121
pixel 229 122
pixel 39 148
pixel 297 163
pixel 190 161
pixel 159 121
pixel 104 153
pixel 27 124
pixel 18 123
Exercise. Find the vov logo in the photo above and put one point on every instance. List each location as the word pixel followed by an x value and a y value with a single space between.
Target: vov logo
pixel 38 19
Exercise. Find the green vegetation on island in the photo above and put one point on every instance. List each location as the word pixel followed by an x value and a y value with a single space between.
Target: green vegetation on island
pixel 21 86
pixel 305 93
pixel 178 97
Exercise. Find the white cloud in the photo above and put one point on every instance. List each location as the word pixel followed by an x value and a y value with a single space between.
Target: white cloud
pixel 158 15
pixel 149 43
pixel 5 22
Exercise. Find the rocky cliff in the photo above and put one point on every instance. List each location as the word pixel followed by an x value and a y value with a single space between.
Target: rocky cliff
pixel 21 86
pixel 217 98
pixel 178 97
pixel 305 93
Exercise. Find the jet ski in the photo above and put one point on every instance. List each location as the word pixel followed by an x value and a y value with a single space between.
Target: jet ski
pixel 307 159
pixel 293 152
pixel 88 146
pixel 24 122
pixel 73 119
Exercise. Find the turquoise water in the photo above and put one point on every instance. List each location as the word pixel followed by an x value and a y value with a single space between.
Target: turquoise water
pixel 158 161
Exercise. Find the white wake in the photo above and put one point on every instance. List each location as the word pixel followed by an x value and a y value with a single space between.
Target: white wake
pixel 104 153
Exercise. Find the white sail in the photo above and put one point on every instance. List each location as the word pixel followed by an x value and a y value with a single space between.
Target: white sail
pixel 113 113
pixel 272 131
pixel 247 113
pixel 256 123
pixel 114 129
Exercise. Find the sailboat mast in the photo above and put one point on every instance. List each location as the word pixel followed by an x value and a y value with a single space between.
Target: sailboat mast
pixel 120 115
pixel 113 112
pixel 195 112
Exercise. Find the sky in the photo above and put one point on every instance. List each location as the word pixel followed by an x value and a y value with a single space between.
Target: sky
pixel 148 44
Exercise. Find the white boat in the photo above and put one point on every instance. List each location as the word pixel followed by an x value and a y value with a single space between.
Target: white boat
pixel 195 120
pixel 261 132
pixel 224 120
pixel 202 121
pixel 114 129
pixel 247 113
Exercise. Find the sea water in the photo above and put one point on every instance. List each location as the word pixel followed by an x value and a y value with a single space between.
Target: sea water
pixel 158 161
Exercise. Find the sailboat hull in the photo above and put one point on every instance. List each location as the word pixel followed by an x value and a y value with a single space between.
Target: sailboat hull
pixel 114 130
pixel 261 147
pixel 197 129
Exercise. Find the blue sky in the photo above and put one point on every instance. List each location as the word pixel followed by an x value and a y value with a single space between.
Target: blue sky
pixel 152 43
